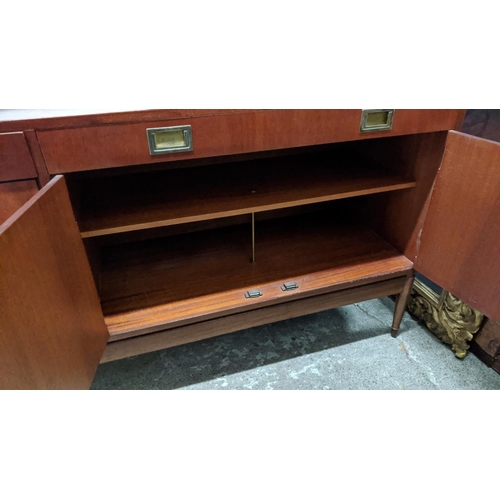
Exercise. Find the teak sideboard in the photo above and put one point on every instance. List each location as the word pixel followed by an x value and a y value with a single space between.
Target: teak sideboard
pixel 128 232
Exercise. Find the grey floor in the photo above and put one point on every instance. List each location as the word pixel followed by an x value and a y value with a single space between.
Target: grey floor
pixel 345 348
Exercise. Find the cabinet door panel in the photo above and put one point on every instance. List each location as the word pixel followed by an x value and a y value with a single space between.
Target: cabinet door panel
pixel 13 195
pixel 460 241
pixel 52 330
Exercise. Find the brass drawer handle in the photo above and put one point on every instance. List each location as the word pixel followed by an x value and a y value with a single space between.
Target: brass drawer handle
pixel 167 140
pixel 376 119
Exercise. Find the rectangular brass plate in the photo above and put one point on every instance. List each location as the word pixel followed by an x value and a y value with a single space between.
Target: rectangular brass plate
pixel 376 119
pixel 169 139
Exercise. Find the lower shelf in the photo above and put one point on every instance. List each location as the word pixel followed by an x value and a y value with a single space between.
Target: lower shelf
pixel 167 283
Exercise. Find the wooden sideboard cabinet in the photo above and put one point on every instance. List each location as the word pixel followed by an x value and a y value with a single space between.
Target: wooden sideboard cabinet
pixel 156 228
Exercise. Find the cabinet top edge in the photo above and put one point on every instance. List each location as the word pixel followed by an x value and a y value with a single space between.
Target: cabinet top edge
pixel 46 119
pixel 42 119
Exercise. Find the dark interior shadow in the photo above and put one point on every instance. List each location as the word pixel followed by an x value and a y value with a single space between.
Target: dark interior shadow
pixel 238 352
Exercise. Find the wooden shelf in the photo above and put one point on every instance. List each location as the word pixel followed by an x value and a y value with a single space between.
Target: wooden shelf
pixel 156 199
pixel 158 284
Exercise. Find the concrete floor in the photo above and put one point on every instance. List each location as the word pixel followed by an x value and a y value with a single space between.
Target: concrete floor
pixel 345 348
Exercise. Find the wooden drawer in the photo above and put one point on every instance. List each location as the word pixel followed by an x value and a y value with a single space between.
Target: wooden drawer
pixel 16 162
pixel 105 146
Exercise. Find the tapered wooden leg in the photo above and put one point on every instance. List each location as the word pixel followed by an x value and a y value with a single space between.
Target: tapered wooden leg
pixel 401 302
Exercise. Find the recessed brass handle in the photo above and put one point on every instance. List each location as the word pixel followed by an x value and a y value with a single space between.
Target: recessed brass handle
pixel 376 119
pixel 167 140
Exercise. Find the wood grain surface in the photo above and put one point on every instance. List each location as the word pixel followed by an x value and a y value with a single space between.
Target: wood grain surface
pixel 176 280
pixel 16 162
pixel 459 246
pixel 52 331
pixel 143 201
pixel 401 303
pixel 38 161
pixel 13 195
pixel 399 216
pixel 191 286
pixel 106 146
pixel 48 119
pixel 221 326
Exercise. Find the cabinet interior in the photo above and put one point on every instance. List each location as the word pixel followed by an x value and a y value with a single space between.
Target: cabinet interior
pixel 172 244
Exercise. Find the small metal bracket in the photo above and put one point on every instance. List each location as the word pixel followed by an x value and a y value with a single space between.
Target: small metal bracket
pixel 253 294
pixel 289 285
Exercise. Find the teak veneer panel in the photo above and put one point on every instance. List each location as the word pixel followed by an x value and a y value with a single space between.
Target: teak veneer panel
pixel 52 331
pixel 49 119
pixel 106 146
pixel 263 316
pixel 13 195
pixel 144 201
pixel 398 216
pixel 38 161
pixel 175 280
pixel 16 162
pixel 459 245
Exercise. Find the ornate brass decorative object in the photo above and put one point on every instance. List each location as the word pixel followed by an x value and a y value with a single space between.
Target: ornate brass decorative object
pixel 450 319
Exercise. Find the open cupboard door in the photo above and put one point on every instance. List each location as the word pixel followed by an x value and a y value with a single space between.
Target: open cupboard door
pixel 460 241
pixel 52 330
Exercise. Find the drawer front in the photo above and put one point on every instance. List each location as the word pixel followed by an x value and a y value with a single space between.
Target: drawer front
pixel 16 162
pixel 105 146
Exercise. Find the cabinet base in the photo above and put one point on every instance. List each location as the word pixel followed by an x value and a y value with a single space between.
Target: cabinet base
pixel 229 324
